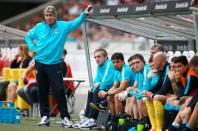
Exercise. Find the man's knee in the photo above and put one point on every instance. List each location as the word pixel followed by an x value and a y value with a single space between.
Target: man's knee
pixel 139 102
pixel 12 86
pixel 110 99
pixel 116 98
pixel 133 100
pixel 158 97
pixel 128 100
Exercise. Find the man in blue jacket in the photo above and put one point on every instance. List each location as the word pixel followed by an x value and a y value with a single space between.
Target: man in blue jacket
pixel 103 82
pixel 47 39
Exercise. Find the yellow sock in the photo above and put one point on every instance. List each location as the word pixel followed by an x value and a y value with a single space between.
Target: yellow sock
pixel 151 113
pixel 159 114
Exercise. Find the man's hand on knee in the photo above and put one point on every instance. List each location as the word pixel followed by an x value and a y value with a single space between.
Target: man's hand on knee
pixel 102 94
pixel 123 95
pixel 148 94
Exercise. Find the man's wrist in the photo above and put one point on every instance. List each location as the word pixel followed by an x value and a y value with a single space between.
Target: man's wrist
pixel 87 10
pixel 85 13
pixel 107 94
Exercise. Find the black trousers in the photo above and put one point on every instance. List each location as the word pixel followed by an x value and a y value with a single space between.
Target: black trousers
pixel 51 76
pixel 92 97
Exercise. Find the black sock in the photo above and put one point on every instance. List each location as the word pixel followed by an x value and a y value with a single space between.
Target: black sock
pixel 173 115
pixel 147 123
pixel 167 118
pixel 186 129
pixel 146 119
pixel 141 121
pixel 182 126
pixel 173 128
pixel 135 121
pixel 109 117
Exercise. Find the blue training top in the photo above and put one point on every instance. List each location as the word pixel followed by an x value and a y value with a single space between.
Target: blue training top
pixel 125 74
pixel 141 77
pixel 105 75
pixel 143 82
pixel 48 41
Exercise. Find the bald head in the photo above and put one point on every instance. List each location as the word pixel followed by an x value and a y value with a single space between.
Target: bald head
pixel 159 59
pixel 160 56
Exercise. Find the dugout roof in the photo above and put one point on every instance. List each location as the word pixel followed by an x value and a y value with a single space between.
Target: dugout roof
pixel 169 20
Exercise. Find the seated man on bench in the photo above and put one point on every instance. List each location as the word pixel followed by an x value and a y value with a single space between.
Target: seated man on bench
pixel 124 78
pixel 102 83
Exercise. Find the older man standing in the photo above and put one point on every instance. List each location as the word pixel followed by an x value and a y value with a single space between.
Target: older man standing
pixel 47 39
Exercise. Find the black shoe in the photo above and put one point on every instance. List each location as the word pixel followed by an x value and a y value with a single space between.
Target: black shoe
pixel 98 107
pixel 172 128
pixel 44 121
pixel 146 122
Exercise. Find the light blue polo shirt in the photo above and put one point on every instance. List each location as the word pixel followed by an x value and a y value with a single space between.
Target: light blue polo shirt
pixel 126 73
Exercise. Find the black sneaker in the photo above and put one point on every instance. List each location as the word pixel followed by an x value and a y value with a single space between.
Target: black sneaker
pixel 98 107
pixel 44 121
pixel 146 122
